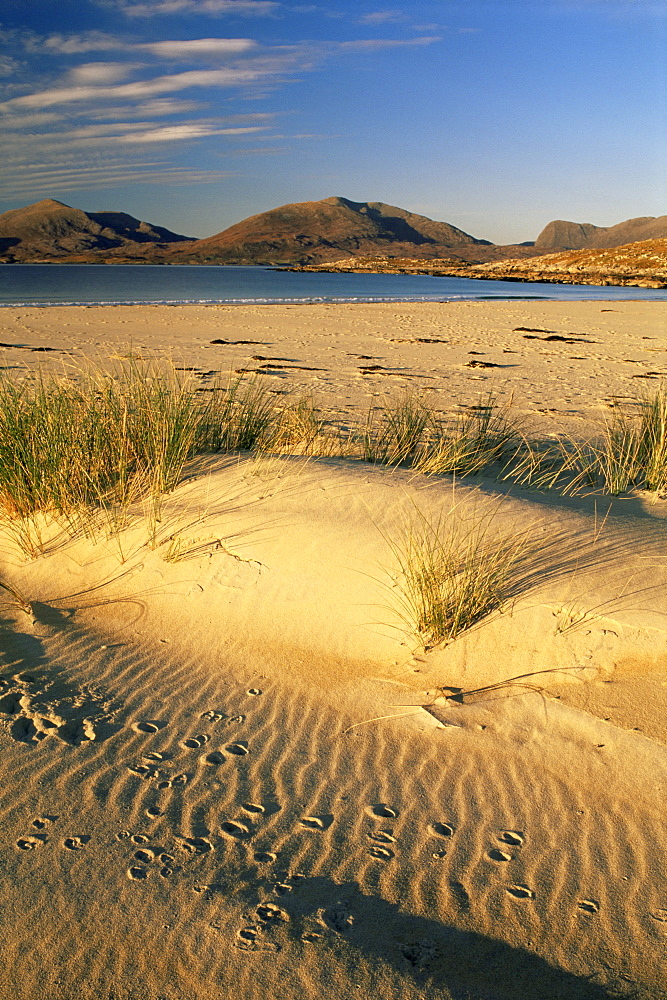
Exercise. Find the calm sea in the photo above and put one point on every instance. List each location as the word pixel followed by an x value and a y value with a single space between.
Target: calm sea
pixel 120 284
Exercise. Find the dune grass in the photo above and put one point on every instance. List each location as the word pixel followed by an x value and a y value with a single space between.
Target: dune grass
pixel 456 571
pixel 101 441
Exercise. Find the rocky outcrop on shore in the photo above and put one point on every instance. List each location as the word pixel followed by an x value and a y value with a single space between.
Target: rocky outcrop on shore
pixel 642 264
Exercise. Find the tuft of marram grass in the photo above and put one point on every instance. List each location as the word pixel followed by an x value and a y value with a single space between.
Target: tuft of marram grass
pixel 396 434
pixel 457 571
pixel 477 439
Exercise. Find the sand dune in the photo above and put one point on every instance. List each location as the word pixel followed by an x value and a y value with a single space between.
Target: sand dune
pixel 231 770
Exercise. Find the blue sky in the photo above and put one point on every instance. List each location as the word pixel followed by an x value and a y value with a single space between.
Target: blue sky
pixel 494 115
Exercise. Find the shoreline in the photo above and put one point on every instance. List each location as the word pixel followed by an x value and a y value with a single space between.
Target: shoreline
pixel 562 362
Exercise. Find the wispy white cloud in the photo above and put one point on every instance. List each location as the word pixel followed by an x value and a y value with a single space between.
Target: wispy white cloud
pixel 47 181
pixel 153 8
pixel 198 47
pixel 90 41
pixel 99 73
pixel 8 66
pixel 383 17
pixel 388 43
pixel 180 133
pixel 139 89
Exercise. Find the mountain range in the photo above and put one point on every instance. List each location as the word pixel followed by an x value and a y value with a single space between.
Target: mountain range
pixel 311 232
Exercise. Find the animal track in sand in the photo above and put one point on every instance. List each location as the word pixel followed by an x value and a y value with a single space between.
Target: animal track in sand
pixel 195 742
pixel 214 758
pixel 382 811
pixel 254 692
pixel 589 905
pixel 497 855
pixel 41 822
pixel 520 891
pixel 513 837
pixel 212 716
pixel 145 856
pixel 265 857
pixel 236 830
pixel 460 894
pixel 253 807
pixel 337 918
pixel 31 843
pixel 322 822
pixel 441 829
pixel 75 843
pixel 136 873
pixel 270 913
pixel 249 939
pixel 238 749
pixel 419 953
pixel 196 845
pixel 151 726
pixel 153 812
pixel 382 837
pixel 659 915
pixel 156 756
pixel 381 853
pixel 140 838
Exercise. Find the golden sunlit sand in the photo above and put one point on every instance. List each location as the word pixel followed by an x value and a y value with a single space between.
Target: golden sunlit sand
pixel 230 767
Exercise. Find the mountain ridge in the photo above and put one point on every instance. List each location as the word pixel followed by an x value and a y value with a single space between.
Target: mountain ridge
pixel 296 234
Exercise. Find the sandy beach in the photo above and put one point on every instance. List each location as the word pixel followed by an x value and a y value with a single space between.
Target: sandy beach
pixel 230 769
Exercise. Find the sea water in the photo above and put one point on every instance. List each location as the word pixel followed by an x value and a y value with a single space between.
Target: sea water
pixel 121 284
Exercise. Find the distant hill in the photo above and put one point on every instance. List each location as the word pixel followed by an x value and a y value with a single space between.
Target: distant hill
pixel 561 235
pixel 52 230
pixel 329 229
pixel 301 234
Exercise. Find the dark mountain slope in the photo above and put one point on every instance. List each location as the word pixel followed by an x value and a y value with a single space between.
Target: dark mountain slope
pixel 51 230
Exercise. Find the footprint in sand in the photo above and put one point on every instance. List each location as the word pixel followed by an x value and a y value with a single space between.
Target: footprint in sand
pixel 265 857
pixel 254 692
pixel 140 838
pixel 495 854
pixel 270 913
pixel 153 812
pixel 214 758
pixel 145 856
pixel 381 853
pixel 520 891
pixel 513 837
pixel 196 845
pixel 136 873
pixel 589 905
pixel 195 742
pixel 382 811
pixel 155 756
pixel 441 829
pixel 322 822
pixel 237 749
pixel 336 918
pixel 460 894
pixel 660 916
pixel 75 843
pixel 41 822
pixel 250 939
pixel 30 843
pixel 419 953
pixel 382 837
pixel 151 726
pixel 212 716
pixel 236 830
